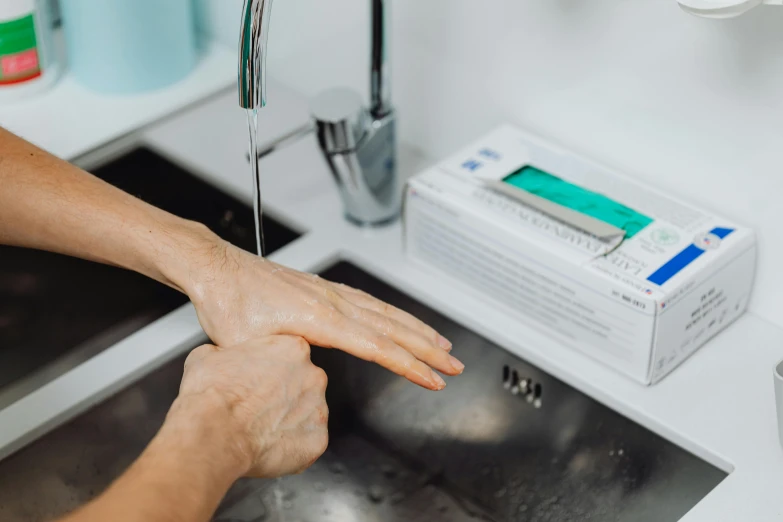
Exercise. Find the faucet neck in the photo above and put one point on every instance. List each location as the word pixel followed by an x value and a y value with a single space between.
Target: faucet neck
pixel 380 78
pixel 253 42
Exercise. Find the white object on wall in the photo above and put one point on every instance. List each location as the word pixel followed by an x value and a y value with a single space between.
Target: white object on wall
pixel 723 8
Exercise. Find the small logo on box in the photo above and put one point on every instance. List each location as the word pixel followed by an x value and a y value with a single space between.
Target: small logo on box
pixel 708 241
pixel 664 237
pixel 490 154
pixel 472 165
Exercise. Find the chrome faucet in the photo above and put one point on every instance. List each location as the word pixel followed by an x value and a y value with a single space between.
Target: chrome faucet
pixel 358 143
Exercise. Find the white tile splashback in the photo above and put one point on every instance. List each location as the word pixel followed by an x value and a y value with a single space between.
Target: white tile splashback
pixel 688 104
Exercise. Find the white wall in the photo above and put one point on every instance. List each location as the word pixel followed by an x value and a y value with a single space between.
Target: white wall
pixel 691 105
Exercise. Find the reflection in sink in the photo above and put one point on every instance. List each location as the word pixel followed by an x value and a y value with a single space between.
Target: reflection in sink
pixel 56 311
pixel 503 442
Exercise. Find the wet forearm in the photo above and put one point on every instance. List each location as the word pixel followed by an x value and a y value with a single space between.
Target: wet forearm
pixel 49 204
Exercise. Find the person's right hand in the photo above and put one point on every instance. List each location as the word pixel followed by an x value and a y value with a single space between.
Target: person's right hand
pixel 265 396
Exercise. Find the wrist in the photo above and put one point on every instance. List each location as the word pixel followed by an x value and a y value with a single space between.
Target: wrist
pixel 184 472
pixel 202 430
pixel 183 252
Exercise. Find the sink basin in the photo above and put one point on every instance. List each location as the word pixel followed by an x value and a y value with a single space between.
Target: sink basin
pixel 56 312
pixel 503 442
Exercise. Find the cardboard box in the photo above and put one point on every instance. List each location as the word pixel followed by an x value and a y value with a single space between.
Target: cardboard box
pixel 640 294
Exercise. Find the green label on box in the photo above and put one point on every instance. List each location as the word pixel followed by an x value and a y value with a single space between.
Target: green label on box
pixel 19 60
pixel 581 200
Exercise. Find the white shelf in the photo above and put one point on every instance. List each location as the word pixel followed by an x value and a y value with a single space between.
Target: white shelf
pixel 69 119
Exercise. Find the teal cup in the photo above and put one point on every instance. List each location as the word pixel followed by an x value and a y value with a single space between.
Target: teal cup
pixel 129 46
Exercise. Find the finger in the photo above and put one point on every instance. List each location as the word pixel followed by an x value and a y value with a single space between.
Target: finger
pixel 294 345
pixel 319 379
pixel 310 412
pixel 365 300
pixel 361 341
pixel 411 340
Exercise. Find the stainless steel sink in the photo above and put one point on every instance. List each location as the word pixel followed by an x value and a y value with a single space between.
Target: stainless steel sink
pixel 503 442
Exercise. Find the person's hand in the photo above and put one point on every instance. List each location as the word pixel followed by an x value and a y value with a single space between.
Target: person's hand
pixel 263 400
pixel 239 296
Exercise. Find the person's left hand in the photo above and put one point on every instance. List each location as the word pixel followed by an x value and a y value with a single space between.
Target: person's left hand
pixel 239 296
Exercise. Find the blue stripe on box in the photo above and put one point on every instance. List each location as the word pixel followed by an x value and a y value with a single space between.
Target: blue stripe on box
pixel 683 259
pixel 721 232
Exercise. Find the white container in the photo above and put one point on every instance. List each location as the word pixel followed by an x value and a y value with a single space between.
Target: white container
pixel 641 303
pixel 28 63
pixel 778 376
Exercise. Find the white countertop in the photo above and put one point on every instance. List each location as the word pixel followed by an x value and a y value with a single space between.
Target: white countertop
pixel 69 119
pixel 719 404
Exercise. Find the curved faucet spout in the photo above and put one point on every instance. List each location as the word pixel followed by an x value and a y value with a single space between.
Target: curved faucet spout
pixel 253 42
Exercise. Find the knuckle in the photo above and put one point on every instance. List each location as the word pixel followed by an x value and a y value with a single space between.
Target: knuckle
pixel 320 378
pixel 330 294
pixel 324 310
pixel 322 443
pixel 388 325
pixel 378 352
pixel 301 346
pixel 323 414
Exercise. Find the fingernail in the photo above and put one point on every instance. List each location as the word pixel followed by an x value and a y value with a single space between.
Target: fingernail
pixel 444 343
pixel 456 364
pixel 438 380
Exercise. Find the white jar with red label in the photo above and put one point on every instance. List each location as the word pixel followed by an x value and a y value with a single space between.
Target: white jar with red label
pixel 28 64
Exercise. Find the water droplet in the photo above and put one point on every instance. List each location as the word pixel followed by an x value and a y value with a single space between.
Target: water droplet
pixel 397 497
pixel 620 452
pixel 523 508
pixel 500 493
pixel 337 467
pixel 389 471
pixel 611 453
pixel 375 494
